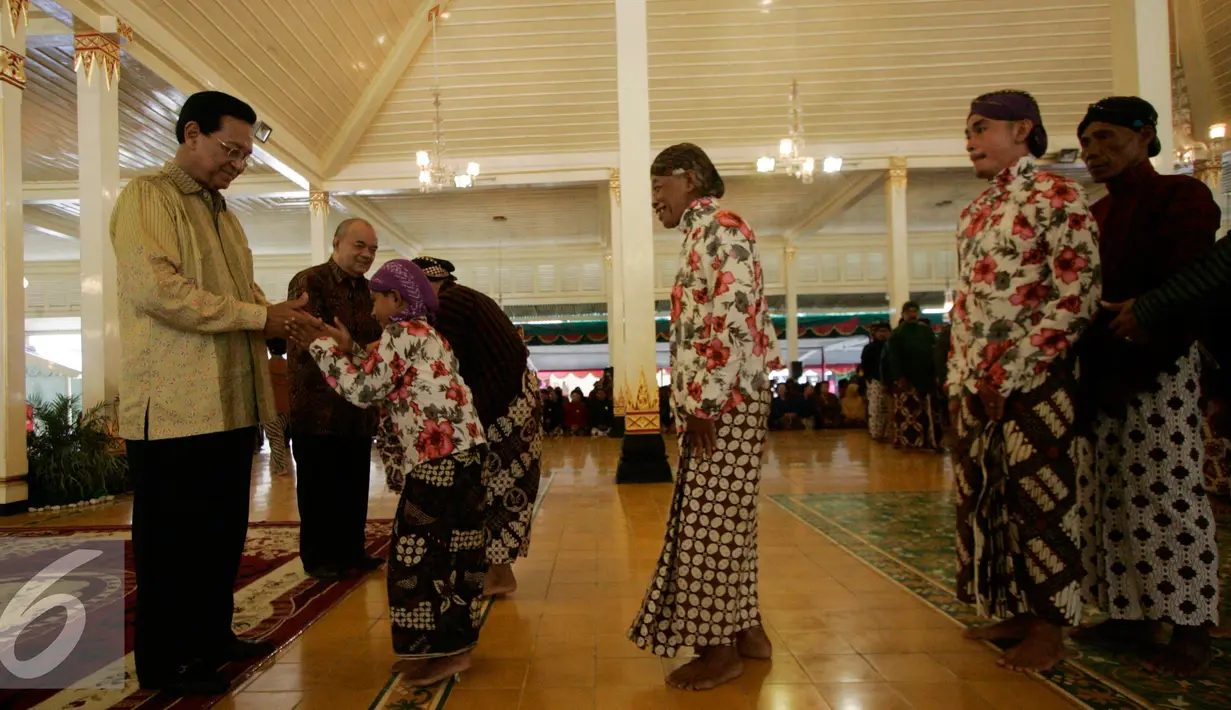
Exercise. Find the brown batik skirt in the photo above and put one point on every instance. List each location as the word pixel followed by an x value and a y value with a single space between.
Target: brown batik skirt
pixel 704 590
pixel 916 424
pixel 436 560
pixel 1018 539
pixel 511 474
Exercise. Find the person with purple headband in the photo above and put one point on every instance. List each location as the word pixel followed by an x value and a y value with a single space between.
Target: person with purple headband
pixel 433 448
pixel 1028 285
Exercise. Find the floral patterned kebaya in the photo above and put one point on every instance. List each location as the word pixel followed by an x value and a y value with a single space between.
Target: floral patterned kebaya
pixel 413 376
pixel 723 342
pixel 1028 279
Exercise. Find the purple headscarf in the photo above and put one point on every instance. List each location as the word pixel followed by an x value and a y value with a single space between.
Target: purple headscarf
pixel 402 276
pixel 1014 105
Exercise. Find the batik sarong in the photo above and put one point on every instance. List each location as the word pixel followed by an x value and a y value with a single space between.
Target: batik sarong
pixel 1018 538
pixel 279 450
pixel 436 560
pixel 704 590
pixel 878 410
pixel 915 424
pixel 1148 527
pixel 511 474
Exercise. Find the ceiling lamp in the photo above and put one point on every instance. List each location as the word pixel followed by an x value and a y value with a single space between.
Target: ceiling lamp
pixel 435 173
pixel 791 150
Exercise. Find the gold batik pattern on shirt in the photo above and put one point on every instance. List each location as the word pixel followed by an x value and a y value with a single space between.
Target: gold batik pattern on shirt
pixel 191 316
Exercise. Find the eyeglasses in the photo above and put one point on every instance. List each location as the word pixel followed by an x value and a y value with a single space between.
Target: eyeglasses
pixel 234 153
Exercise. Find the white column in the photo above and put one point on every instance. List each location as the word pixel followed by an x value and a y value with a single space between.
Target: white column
pixel 615 310
pixel 790 271
pixel 97 62
pixel 318 207
pixel 899 255
pixel 13 466
pixel 636 233
pixel 1141 63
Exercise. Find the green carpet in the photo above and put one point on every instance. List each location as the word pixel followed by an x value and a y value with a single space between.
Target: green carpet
pixel 910 538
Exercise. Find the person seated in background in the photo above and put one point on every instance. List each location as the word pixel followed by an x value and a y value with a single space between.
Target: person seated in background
pixel 808 407
pixel 553 412
pixel 854 411
pixel 831 408
pixel 576 415
pixel 777 407
pixel 601 412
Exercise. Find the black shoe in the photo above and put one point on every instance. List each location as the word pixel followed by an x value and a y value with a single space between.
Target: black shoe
pixel 190 681
pixel 244 650
pixel 326 574
pixel 369 563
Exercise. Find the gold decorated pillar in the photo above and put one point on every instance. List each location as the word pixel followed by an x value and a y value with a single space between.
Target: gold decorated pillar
pixel 96 59
pixel 643 456
pixel 13 464
pixel 615 307
pixel 899 253
pixel 318 209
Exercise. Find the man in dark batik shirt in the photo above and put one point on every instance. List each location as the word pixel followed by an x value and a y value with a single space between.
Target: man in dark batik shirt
pixel 493 360
pixel 1150 551
pixel 333 438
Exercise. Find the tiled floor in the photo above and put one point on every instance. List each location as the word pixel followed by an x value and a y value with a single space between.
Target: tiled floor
pixel 845 637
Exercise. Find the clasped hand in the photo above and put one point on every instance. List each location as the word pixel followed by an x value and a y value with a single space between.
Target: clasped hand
pixel 306 329
pixel 280 316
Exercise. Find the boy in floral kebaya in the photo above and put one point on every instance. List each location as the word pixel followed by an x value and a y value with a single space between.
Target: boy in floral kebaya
pixel 704 592
pixel 1028 284
pixel 433 448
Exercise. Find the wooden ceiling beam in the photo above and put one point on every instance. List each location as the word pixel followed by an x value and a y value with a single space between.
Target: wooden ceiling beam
pixel 189 73
pixel 409 44
pixel 855 187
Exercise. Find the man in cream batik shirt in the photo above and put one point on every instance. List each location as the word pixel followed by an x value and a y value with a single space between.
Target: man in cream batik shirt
pixel 195 386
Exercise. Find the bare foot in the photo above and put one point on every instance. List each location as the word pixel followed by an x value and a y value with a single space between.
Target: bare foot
pixel 421 673
pixel 1187 656
pixel 1041 650
pixel 716 665
pixel 753 643
pixel 1118 633
pixel 499 581
pixel 1014 629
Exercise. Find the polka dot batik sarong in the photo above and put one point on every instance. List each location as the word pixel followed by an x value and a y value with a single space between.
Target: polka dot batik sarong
pixel 704 591
pixel 1149 546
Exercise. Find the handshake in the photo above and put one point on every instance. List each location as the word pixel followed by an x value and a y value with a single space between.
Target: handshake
pixel 289 321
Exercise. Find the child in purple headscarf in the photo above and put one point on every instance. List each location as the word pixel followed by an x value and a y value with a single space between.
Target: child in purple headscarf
pixel 433 447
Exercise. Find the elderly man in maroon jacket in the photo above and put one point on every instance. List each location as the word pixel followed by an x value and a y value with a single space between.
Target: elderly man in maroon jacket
pixel 1150 553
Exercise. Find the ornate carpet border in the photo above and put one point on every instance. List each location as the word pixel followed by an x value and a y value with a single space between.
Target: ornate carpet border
pixel 434 698
pixel 1072 680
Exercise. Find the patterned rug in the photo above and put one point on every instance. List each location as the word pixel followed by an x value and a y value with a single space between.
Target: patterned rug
pixel 910 538
pixel 274 600
pixel 399 696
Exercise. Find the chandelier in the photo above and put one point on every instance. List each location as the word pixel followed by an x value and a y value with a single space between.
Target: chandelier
pixel 792 150
pixel 434 172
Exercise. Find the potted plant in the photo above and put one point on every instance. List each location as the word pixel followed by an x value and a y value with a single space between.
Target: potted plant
pixel 71 454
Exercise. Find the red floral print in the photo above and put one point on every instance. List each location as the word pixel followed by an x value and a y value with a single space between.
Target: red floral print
pixel 436 440
pixel 1069 265
pixel 439 369
pixel 1027 260
pixel 985 270
pixel 722 339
